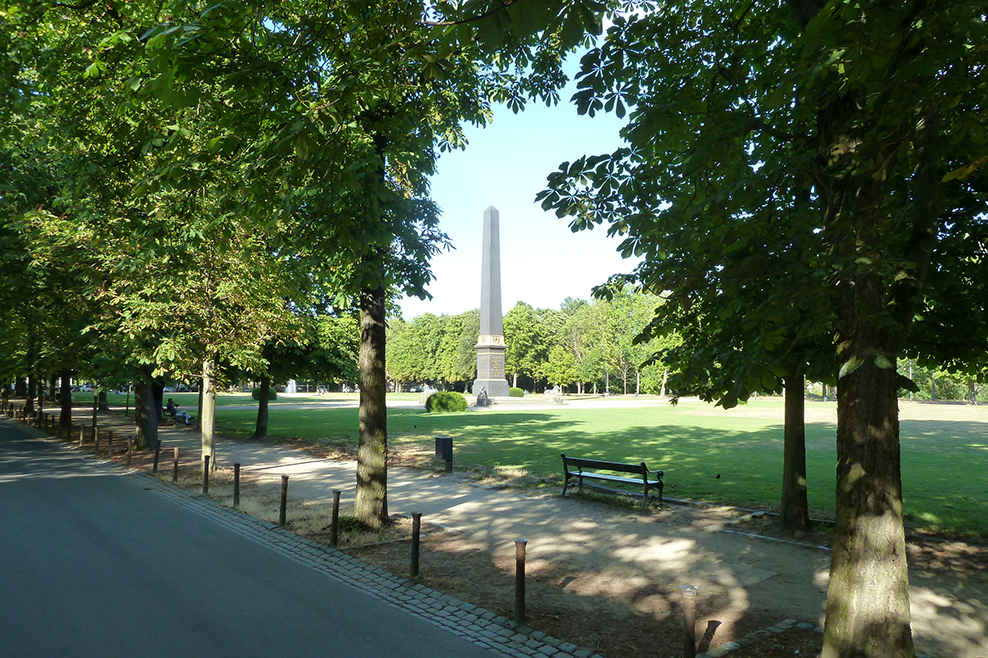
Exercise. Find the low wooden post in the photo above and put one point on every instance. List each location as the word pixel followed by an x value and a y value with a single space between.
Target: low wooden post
pixel 413 571
pixel 284 501
pixel 205 475
pixel 689 621
pixel 175 466
pixel 130 450
pixel 82 435
pixel 157 452
pixel 236 486
pixel 334 526
pixel 520 545
pixel 109 444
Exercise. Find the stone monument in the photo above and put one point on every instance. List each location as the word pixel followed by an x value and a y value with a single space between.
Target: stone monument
pixel 490 345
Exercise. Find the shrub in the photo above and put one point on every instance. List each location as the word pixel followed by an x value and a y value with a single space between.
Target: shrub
pixel 272 394
pixel 443 401
pixel 516 393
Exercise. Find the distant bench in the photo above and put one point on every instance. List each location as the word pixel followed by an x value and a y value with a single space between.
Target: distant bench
pixel 591 469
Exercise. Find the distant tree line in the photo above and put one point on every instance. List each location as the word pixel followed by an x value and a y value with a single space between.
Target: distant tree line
pixel 582 347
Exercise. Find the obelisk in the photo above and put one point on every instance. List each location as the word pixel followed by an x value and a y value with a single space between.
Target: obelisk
pixel 490 344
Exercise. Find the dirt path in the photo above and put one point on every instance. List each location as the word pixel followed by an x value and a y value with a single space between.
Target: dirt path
pixel 597 565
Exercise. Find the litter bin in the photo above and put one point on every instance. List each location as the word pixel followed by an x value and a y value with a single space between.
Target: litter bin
pixel 444 450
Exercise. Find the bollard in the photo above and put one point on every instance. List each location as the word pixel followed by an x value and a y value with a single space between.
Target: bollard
pixel 334 526
pixel 413 572
pixel 284 501
pixel 82 435
pixel 205 475
pixel 236 486
pixel 96 438
pixel 520 580
pixel 109 444
pixel 130 450
pixel 157 451
pixel 175 466
pixel 689 621
pixel 444 450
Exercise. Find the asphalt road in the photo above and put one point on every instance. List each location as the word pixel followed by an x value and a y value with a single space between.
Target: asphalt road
pixel 91 564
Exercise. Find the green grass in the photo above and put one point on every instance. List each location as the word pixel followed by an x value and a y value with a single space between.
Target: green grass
pixel 945 488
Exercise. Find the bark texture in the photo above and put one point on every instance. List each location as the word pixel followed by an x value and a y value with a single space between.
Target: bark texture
pixel 208 413
pixel 795 508
pixel 145 418
pixel 371 503
pixel 65 402
pixel 261 429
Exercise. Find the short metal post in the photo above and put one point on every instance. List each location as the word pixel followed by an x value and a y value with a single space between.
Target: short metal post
pixel 520 580
pixel 284 501
pixel 175 466
pixel 157 452
pixel 236 486
pixel 205 475
pixel 413 572
pixel 689 621
pixel 334 526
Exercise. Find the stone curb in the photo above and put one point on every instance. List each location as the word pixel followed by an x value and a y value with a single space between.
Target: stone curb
pixel 481 627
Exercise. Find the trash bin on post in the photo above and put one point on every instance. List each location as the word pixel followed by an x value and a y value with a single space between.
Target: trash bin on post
pixel 444 451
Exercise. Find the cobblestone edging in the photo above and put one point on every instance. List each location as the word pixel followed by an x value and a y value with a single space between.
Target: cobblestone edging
pixel 481 627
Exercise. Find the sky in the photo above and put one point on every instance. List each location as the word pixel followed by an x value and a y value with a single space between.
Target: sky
pixel 505 165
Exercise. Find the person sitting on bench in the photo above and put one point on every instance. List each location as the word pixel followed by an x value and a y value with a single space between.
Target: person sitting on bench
pixel 172 409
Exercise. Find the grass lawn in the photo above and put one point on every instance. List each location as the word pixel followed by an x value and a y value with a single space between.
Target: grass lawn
pixel 944 447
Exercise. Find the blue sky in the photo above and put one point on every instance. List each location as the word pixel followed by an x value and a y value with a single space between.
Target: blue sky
pixel 505 165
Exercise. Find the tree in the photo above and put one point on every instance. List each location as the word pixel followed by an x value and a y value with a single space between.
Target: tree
pixel 846 125
pixel 527 343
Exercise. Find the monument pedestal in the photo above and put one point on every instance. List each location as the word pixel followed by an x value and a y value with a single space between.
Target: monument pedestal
pixel 490 369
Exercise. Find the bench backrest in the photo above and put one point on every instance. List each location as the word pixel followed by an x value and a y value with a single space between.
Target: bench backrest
pixel 606 466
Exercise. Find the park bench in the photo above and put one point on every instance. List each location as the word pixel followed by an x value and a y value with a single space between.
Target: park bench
pixel 593 469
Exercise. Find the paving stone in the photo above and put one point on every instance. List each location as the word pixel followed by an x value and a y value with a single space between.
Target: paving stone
pixel 581 653
pixel 536 635
pixel 775 629
pixel 519 638
pixel 723 649
pixel 547 650
pixel 568 647
pixel 804 625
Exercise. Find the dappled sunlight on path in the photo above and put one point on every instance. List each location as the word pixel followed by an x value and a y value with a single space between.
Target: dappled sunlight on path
pixel 596 548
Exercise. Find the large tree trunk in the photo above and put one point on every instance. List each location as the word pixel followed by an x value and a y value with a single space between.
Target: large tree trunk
pixel 199 407
pixel 794 508
pixel 32 391
pixel 208 413
pixel 158 391
pixel 65 400
pixel 145 417
pixel 868 599
pixel 261 429
pixel 371 503
pixel 103 405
